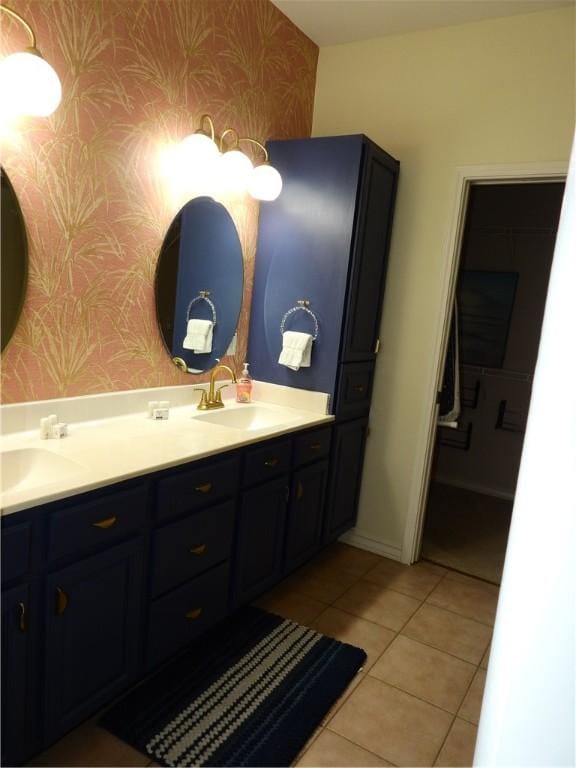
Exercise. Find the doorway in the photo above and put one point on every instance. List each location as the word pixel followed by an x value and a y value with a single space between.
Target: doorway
pixel 506 251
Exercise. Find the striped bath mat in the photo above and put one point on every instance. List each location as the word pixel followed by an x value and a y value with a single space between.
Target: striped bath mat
pixel 249 692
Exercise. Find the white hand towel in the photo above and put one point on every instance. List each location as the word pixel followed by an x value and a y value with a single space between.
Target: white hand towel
pixel 296 350
pixel 199 336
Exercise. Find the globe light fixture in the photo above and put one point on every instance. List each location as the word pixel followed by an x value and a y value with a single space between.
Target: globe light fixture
pixel 221 166
pixel 265 182
pixel 28 83
pixel 235 167
pixel 199 148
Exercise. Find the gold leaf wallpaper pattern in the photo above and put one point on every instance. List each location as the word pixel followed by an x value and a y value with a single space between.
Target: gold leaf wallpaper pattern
pixel 136 76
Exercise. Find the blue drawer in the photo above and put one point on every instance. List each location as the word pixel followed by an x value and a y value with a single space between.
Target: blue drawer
pixel 185 549
pixel 354 391
pixel 264 463
pixel 16 551
pixel 99 521
pixel 183 614
pixel 312 446
pixel 199 486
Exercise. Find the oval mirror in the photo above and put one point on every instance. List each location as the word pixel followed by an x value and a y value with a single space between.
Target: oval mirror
pixel 199 285
pixel 14 250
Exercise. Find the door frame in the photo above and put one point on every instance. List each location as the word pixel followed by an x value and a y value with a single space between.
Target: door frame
pixel 465 176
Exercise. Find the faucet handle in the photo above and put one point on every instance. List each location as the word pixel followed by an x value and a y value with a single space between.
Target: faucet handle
pixel 218 396
pixel 202 405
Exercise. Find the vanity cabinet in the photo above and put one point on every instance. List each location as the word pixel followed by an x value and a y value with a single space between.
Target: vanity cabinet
pixel 126 576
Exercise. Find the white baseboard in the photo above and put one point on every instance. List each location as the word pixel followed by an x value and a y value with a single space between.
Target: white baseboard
pixel 496 492
pixel 360 540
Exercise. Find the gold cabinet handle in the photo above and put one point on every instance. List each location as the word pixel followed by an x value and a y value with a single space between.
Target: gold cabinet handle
pixel 199 550
pixel 271 462
pixel 299 490
pixel 61 601
pixel 22 619
pixel 315 446
pixel 359 388
pixel 194 614
pixel 107 523
pixel 203 488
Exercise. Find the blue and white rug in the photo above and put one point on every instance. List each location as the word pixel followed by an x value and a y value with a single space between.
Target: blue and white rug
pixel 251 692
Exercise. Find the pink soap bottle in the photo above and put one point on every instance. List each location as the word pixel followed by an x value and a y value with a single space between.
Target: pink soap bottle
pixel 244 386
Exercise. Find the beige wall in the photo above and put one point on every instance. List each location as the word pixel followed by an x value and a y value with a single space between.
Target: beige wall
pixel 491 92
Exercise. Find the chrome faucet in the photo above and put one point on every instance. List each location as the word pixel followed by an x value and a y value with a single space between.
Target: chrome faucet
pixel 213 399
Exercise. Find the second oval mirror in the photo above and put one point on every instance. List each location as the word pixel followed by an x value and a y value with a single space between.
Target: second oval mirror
pixel 200 284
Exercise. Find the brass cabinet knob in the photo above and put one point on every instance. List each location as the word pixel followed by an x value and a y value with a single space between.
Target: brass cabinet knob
pixel 315 446
pixel 61 601
pixel 203 488
pixel 107 523
pixel 299 490
pixel 271 462
pixel 22 618
pixel 194 614
pixel 199 550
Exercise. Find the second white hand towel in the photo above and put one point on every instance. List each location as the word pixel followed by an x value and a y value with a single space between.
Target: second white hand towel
pixel 296 350
pixel 199 336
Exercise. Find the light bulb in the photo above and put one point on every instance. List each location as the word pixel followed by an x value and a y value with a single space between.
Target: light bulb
pixel 199 148
pixel 28 85
pixel 198 158
pixel 234 172
pixel 265 183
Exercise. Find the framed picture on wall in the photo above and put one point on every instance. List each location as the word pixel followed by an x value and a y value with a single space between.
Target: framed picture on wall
pixel 485 302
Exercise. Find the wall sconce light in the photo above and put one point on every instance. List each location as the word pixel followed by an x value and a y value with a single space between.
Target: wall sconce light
pixel 28 83
pixel 223 159
pixel 265 183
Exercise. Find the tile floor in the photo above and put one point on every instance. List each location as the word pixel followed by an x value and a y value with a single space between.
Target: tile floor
pixel 467 531
pixel 426 631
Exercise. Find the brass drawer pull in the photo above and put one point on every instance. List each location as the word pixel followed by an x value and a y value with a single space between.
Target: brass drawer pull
pixel 315 446
pixel 271 462
pixel 199 550
pixel 203 488
pixel 194 614
pixel 358 388
pixel 22 619
pixel 107 523
pixel 299 490
pixel 61 601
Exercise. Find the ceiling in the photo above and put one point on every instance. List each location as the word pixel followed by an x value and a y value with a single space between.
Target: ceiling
pixel 329 22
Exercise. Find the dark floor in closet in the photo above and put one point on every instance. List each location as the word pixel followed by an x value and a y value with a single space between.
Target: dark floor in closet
pixel 466 531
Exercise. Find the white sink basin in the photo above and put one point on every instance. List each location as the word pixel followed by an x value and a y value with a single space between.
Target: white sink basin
pixel 34 467
pixel 249 417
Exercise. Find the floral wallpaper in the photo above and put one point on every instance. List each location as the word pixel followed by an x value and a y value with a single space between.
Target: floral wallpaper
pixel 136 77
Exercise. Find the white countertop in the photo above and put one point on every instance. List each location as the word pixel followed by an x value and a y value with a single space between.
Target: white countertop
pixel 109 450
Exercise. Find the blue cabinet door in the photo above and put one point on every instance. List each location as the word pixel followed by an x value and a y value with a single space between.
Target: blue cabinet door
pixel 345 477
pixel 305 514
pixel 93 629
pixel 260 536
pixel 370 254
pixel 16 697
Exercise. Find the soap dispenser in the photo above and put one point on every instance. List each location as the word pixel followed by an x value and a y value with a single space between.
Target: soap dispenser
pixel 244 386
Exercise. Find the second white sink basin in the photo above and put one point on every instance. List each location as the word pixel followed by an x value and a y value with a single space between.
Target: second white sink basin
pixel 249 417
pixel 34 467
